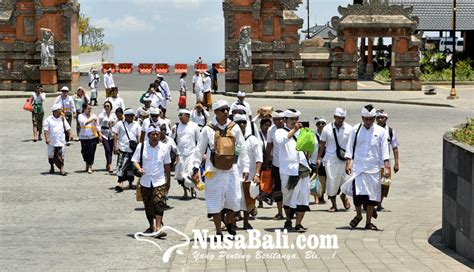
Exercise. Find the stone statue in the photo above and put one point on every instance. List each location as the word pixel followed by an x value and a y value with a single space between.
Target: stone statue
pixel 47 48
pixel 245 46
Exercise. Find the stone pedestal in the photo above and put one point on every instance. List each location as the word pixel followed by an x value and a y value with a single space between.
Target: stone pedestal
pixel 246 80
pixel 369 69
pixel 49 79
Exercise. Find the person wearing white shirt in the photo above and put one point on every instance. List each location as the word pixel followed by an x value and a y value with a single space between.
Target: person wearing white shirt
pixel 127 135
pixel 108 82
pixel 37 115
pixel 155 97
pixel 222 186
pixel 68 106
pixel 117 102
pixel 94 80
pixel 152 161
pixel 198 86
pixel 367 151
pixel 56 130
pixel 262 136
pixel 381 117
pixel 154 120
pixel 206 90
pixel 333 141
pixel 321 171
pixel 182 84
pixel 294 171
pixel 89 135
pixel 200 115
pixel 273 151
pixel 107 120
pixel 164 89
pixel 241 101
pixel 186 137
pixel 255 157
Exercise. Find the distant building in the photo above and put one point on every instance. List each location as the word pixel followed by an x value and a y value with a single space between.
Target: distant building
pixel 320 30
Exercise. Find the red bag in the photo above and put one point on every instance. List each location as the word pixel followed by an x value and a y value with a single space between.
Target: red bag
pixel 266 181
pixel 28 106
pixel 182 102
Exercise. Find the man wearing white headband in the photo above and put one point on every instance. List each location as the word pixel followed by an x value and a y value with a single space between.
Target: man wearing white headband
pixel 94 85
pixel 186 136
pixel 56 129
pixel 294 171
pixel 154 119
pixel 117 102
pixel 240 101
pixel 366 152
pixel 255 155
pixel 221 171
pixel 68 106
pixel 152 160
pixel 109 83
pixel 164 89
pixel 333 142
pixel 381 117
pixel 206 89
pixel 126 138
pixel 273 151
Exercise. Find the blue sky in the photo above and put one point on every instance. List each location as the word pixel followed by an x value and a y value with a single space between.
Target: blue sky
pixel 175 31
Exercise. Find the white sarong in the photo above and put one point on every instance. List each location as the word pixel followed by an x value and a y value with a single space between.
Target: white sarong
pixel 335 176
pixel 299 196
pixel 223 190
pixel 366 183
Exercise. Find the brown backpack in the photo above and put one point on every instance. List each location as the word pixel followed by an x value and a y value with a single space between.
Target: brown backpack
pixel 223 156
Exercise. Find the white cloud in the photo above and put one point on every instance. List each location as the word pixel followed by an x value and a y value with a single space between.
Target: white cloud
pixel 210 24
pixel 174 3
pixel 123 24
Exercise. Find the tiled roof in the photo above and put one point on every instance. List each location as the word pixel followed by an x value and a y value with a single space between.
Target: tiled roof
pixel 436 15
pixel 319 30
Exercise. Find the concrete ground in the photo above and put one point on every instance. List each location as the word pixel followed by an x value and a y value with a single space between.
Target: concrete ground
pixel 78 222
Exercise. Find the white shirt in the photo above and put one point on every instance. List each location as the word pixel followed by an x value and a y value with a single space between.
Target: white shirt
pixel 271 134
pixel 393 143
pixel 153 162
pixel 255 154
pixel 106 124
pixel 198 85
pixel 206 140
pixel 67 104
pixel 38 99
pixel 245 103
pixel 290 159
pixel 94 80
pixel 117 102
pixel 187 137
pixel 133 130
pixel 327 136
pixel 55 128
pixel 371 149
pixel 109 80
pixel 156 99
pixel 206 84
pixel 182 85
pixel 164 89
pixel 147 122
pixel 200 118
pixel 87 132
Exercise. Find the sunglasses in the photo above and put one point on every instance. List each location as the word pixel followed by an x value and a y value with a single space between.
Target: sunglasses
pixel 224 110
pixel 241 122
pixel 320 124
pixel 154 116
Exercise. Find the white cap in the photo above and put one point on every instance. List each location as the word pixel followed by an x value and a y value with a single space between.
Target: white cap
pixel 240 117
pixel 207 73
pixel 240 107
pixel 185 111
pixel 159 76
pixel 129 112
pixel 56 107
pixel 80 88
pixel 381 113
pixel 64 89
pixel 291 113
pixel 368 111
pixel 144 112
pixel 340 112
pixel 109 69
pixel 155 111
pixel 152 129
pixel 278 114
pixel 321 120
pixel 240 94
pixel 219 104
pixel 145 99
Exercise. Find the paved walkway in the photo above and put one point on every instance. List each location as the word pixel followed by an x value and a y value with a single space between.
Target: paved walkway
pixel 78 222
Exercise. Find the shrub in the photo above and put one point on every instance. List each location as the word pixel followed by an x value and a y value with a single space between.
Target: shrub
pixel 465 134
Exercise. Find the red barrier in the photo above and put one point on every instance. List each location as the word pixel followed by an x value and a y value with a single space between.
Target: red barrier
pixel 162 68
pixel 200 67
pixel 106 66
pixel 125 68
pixel 219 68
pixel 145 68
pixel 180 68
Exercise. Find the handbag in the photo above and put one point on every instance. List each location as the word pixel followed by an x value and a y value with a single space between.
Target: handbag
pixel 131 143
pixel 305 141
pixel 315 186
pixel 28 106
pixel 138 191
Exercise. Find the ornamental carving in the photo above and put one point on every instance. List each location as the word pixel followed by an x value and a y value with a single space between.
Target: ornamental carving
pixel 291 4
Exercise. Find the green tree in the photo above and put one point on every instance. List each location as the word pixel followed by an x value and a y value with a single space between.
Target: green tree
pixel 95 38
pixel 83 28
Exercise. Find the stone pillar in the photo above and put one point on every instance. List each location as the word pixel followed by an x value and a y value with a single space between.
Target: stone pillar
pixel 370 55
pixel 49 79
pixel 363 59
pixel 246 79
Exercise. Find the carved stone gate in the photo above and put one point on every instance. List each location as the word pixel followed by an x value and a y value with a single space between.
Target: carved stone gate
pixel 375 18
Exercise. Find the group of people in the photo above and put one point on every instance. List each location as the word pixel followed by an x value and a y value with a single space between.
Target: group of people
pixel 229 152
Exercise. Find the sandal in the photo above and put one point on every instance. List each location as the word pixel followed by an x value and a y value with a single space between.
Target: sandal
pixel 355 221
pixel 371 226
pixel 278 216
pixel 118 189
pixel 288 226
pixel 332 210
pixel 300 228
pixel 149 230
pixel 247 226
pixel 161 235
